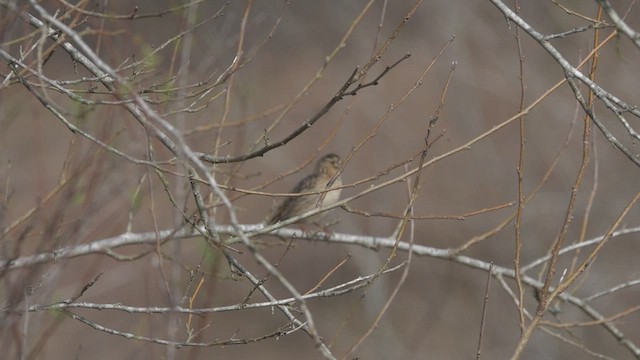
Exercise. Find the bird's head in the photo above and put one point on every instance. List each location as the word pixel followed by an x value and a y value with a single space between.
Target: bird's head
pixel 328 164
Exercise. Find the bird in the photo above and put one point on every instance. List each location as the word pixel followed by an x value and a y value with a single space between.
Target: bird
pixel 326 168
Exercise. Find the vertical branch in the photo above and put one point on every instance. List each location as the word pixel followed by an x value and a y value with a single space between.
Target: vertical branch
pixel 592 97
pixel 237 61
pixel 180 184
pixel 543 294
pixel 484 310
pixel 520 171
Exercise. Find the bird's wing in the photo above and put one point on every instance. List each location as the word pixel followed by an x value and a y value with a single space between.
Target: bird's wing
pixel 283 209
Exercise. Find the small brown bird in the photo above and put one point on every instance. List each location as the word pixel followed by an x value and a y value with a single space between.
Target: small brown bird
pixel 325 170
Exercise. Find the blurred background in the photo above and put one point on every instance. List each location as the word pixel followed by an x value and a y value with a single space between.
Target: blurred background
pixel 80 193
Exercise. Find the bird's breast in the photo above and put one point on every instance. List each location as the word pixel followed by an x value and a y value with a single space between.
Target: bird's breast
pixel 333 196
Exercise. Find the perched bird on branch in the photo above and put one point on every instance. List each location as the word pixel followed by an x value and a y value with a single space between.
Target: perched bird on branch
pixel 326 169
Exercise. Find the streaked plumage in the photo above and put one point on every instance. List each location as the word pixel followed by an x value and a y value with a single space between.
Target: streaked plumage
pixel 290 207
